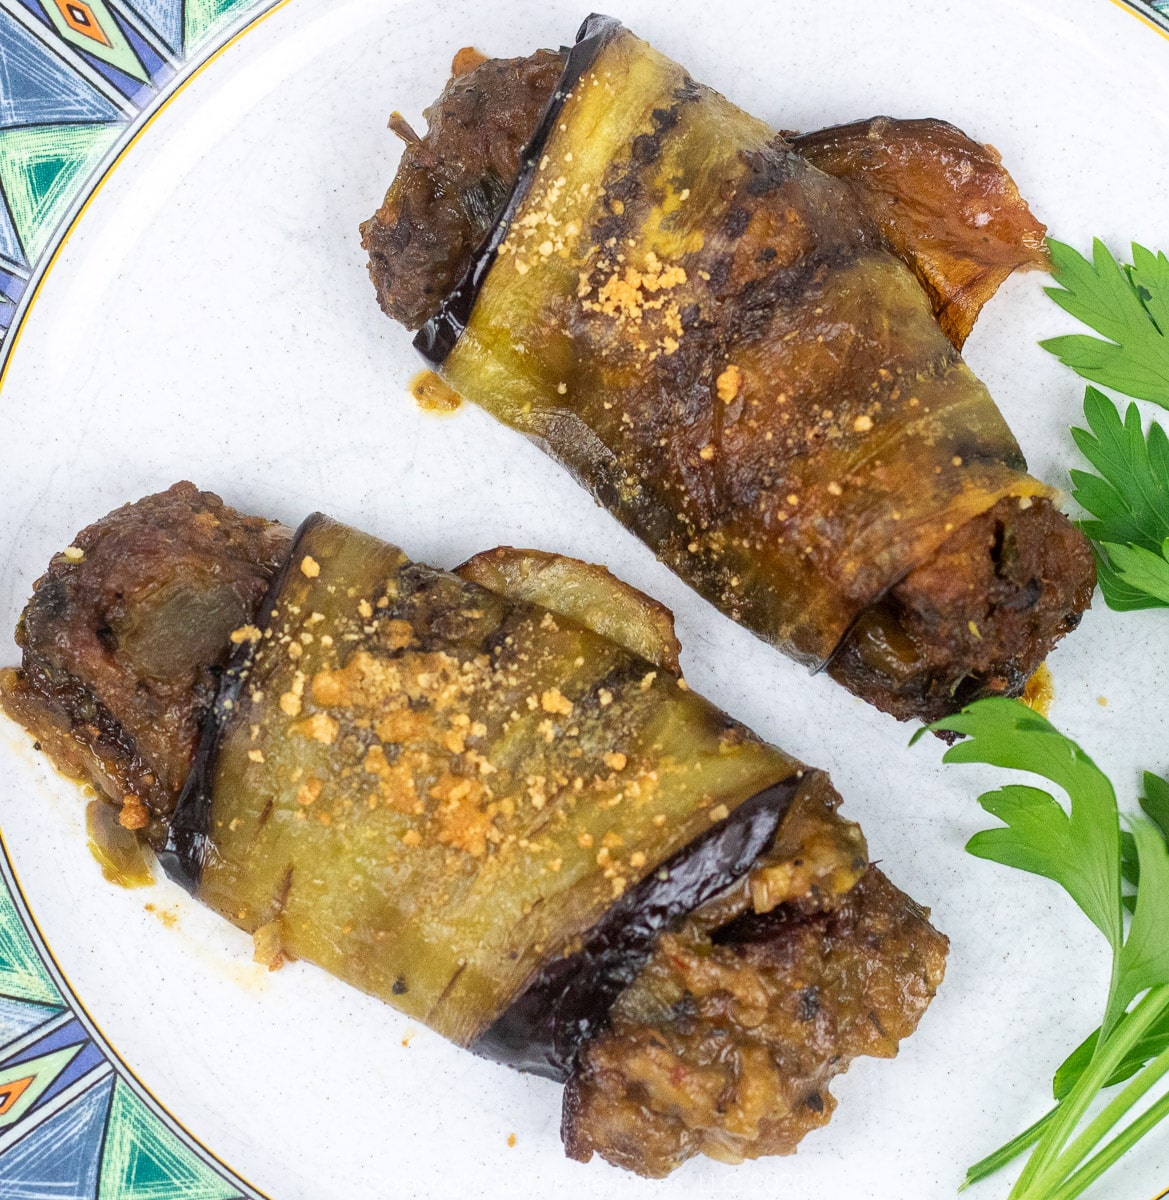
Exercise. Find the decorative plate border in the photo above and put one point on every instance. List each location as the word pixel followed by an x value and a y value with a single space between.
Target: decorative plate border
pixel 75 1123
pixel 79 82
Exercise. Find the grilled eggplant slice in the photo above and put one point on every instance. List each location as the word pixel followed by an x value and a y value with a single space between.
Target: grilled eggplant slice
pixel 734 352
pixel 494 776
pixel 943 203
pixel 488 798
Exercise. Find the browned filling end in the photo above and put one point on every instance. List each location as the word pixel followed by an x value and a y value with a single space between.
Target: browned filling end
pixel 125 637
pixel 725 1044
pixel 977 619
pixel 452 183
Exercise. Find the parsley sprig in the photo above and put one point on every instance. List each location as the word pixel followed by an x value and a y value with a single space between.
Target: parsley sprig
pixel 1129 305
pixel 1128 497
pixel 1129 501
pixel 1120 880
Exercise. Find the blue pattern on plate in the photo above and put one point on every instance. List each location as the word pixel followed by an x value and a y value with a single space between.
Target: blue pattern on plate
pixel 18 1018
pixel 38 88
pixel 61 1158
pixel 165 17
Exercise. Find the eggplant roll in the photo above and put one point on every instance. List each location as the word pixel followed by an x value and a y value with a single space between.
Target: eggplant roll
pixel 746 346
pixel 488 798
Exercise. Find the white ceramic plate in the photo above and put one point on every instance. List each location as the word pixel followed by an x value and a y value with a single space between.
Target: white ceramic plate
pixel 210 318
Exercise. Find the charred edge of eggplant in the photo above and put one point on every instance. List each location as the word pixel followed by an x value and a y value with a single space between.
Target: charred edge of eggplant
pixel 568 1002
pixel 437 338
pixel 188 842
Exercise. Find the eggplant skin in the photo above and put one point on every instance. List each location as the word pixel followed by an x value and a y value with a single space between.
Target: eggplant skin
pixel 437 337
pixel 795 471
pixel 289 828
pixel 568 1002
pixel 583 592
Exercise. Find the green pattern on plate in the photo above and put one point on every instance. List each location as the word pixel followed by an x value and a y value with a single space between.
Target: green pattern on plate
pixel 22 972
pixel 144 1160
pixel 78 78
pixel 203 19
pixel 91 27
pixel 41 169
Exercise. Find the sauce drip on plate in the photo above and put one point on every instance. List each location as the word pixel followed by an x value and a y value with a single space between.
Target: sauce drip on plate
pixel 432 395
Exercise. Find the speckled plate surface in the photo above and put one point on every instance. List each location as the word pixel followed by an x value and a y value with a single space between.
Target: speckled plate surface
pixel 208 317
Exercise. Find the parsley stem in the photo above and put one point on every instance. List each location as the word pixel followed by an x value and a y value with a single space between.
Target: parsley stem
pixel 1120 1145
pixel 1116 1108
pixel 1108 1056
pixel 1006 1153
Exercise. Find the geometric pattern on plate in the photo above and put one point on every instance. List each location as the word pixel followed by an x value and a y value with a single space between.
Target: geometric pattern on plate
pixel 89 25
pixel 75 1124
pixel 78 79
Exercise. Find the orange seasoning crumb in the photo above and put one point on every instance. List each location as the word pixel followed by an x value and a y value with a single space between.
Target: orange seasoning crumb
pixel 553 701
pixel 615 761
pixel 511 1139
pixel 134 814
pixel 320 727
pixel 466 59
pixel 728 383
pixel 309 567
pixel 308 792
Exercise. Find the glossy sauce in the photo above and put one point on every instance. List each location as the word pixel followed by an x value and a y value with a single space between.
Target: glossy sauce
pixel 1040 690
pixel 432 395
pixel 118 851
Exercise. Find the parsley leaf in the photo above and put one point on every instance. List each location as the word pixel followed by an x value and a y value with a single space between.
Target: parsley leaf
pixel 1155 805
pixel 1141 570
pixel 1129 501
pixel 1082 849
pixel 1144 958
pixel 1149 1046
pixel 1155 802
pixel 1080 852
pixel 1129 305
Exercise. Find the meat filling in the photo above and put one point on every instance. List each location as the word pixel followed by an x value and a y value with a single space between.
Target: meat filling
pixel 726 1040
pixel 977 619
pixel 452 183
pixel 125 636
pixel 726 1043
